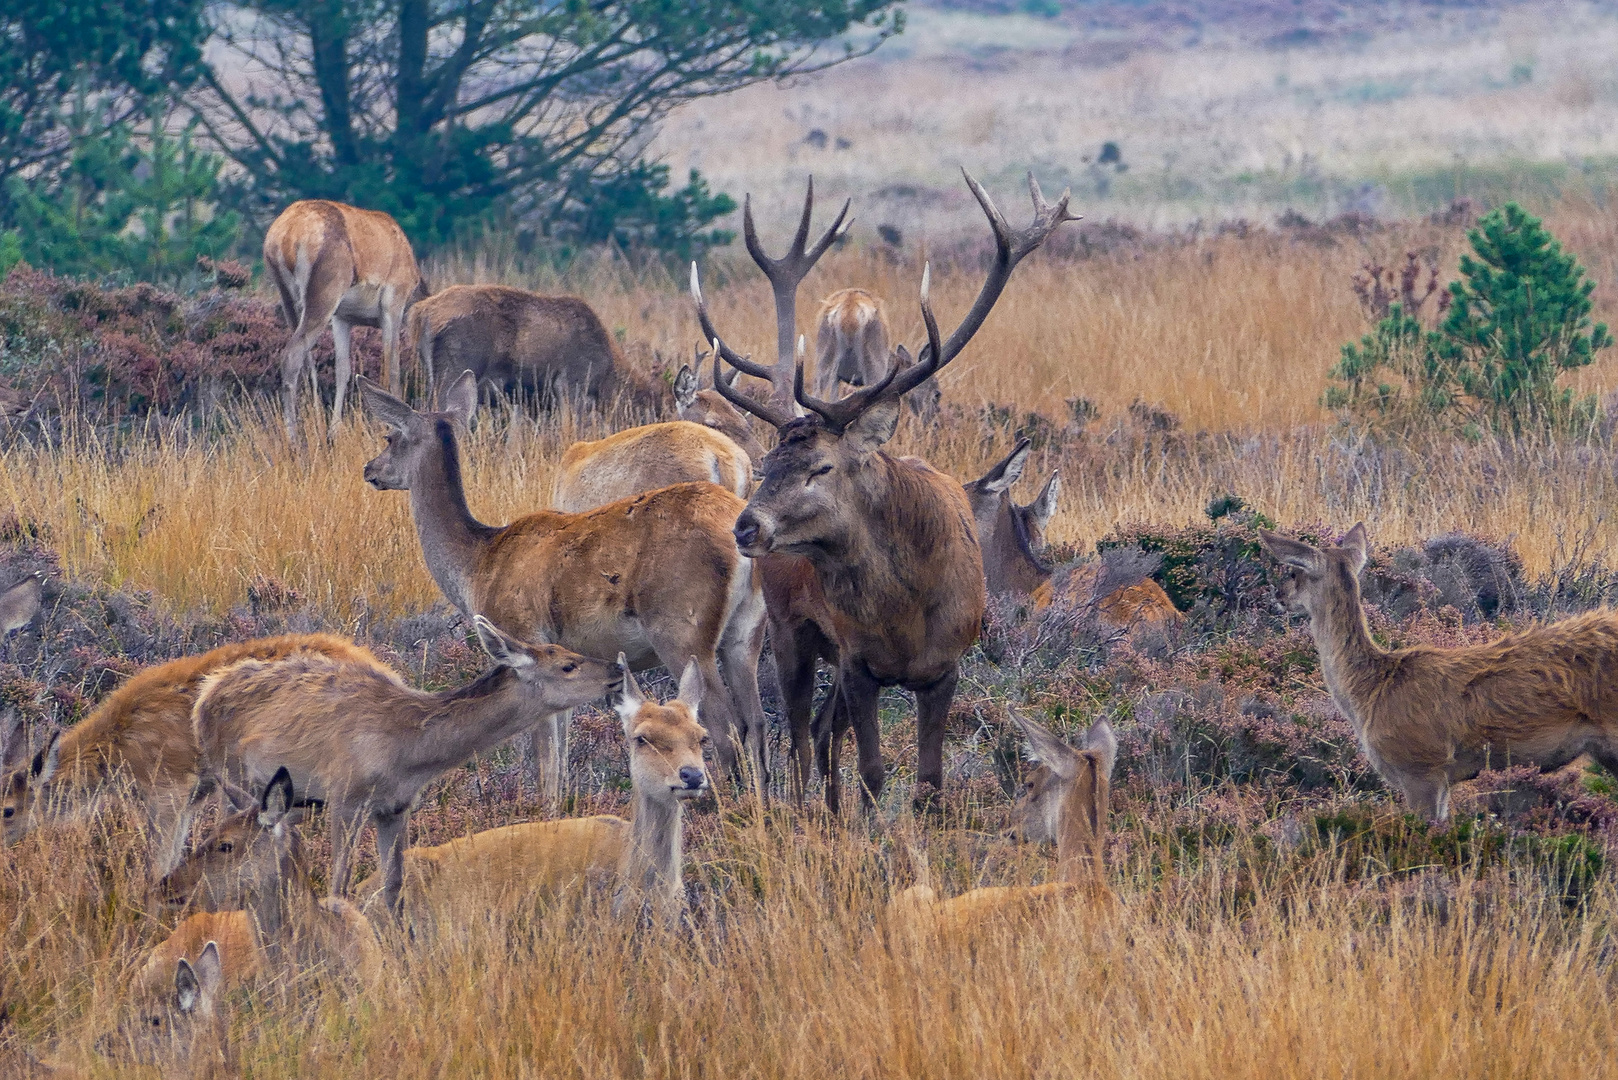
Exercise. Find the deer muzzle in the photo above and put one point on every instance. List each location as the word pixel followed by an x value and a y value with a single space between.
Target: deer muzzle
pixel 753 533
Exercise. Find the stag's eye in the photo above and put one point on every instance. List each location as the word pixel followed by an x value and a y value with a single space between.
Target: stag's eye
pixel 822 471
pixel 226 848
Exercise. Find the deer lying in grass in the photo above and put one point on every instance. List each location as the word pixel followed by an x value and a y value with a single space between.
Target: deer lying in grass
pixel 1011 535
pixel 710 409
pixel 656 577
pixel 1064 800
pixel 357 739
pixel 143 730
pixel 253 865
pixel 474 876
pixel 1429 717
pixel 179 1018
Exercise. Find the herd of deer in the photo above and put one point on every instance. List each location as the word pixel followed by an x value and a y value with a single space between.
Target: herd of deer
pixel 685 545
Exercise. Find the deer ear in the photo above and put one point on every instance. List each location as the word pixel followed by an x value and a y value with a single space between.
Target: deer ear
pixel 1046 748
pixel 874 426
pixel 501 648
pixel 1043 508
pixel 461 399
pixel 1289 551
pixel 388 409
pixel 629 696
pixel 276 802
pixel 187 988
pixel 45 762
pixel 685 387
pixel 691 685
pixel 210 972
pixel 20 603
pixel 1357 545
pixel 1007 471
pixel 1101 739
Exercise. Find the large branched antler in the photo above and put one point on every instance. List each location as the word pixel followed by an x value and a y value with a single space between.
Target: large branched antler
pixel 1010 248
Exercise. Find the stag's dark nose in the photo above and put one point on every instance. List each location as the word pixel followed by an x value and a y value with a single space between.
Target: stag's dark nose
pixel 747 530
pixel 692 777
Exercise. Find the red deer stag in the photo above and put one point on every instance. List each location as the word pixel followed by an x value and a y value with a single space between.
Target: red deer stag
pixel 550 348
pixel 1011 535
pixel 143 730
pixel 891 540
pixel 350 267
pixel 656 576
pixel 1430 717
pixel 360 741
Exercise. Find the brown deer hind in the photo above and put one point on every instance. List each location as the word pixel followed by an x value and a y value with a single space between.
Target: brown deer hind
pixel 1429 717
pixel 891 541
pixel 1011 536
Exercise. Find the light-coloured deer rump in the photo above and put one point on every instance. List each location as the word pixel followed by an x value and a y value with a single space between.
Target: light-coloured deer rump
pixel 1429 717
pixel 646 458
pixel 851 341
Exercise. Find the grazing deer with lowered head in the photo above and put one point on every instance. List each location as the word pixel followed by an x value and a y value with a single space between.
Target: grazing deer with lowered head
pixel 1064 801
pixel 253 864
pixel 1429 717
pixel 851 346
pixel 553 349
pixel 1011 535
pixel 656 577
pixel 179 1018
pixel 470 876
pixel 357 739
pixel 891 541
pixel 143 731
pixel 338 264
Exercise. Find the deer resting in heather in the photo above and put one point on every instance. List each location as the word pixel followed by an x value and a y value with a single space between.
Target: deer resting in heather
pixel 891 541
pixel 1011 535
pixel 656 577
pixel 338 264
pixel 471 876
pixel 1429 717
pixel 142 730
pixel 357 739
pixel 1064 801
pixel 178 1017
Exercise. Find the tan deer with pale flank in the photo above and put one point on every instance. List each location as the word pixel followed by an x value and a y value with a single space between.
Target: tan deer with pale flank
pixel 1430 717
pixel 252 867
pixel 1064 801
pixel 656 577
pixel 360 741
pixel 177 1016
pixel 1012 535
pixel 338 264
pixel 601 471
pixel 143 731
pixel 472 876
pixel 892 541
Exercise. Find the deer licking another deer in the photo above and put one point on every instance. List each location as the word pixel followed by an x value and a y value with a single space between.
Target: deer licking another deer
pixel 1429 717
pixel 891 541
pixel 338 264
pixel 1012 535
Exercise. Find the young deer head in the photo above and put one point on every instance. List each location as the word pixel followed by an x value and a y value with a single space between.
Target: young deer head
pixel 176 1024
pixel 414 437
pixel 665 741
pixel 1012 535
pixel 1064 799
pixel 252 853
pixel 24 789
pixel 1320 583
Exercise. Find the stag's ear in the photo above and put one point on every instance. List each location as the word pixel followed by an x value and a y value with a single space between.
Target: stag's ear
pixel 387 408
pixel 1101 739
pixel 276 802
pixel 1043 508
pixel 187 987
pixel 874 426
pixel 501 648
pixel 1046 748
pixel 1357 546
pixel 685 387
pixel 691 685
pixel 461 399
pixel 1008 471
pixel 1289 551
pixel 45 762
pixel 630 698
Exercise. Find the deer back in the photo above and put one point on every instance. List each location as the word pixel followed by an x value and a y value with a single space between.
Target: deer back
pixel 645 458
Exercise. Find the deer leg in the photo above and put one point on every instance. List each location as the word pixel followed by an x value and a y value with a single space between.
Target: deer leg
pixel 171 827
pixel 390 343
pixel 738 661
pixel 1427 793
pixel 724 725
pixel 860 693
pixel 346 823
pixel 932 710
pixel 795 671
pixel 390 848
pixel 547 757
pixel 340 339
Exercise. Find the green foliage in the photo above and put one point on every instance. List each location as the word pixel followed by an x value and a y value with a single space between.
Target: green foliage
pixel 633 212
pixel 1518 318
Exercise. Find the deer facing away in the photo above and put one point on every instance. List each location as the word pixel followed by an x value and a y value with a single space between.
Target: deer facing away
pixel 354 737
pixel 1429 717
pixel 657 577
pixel 489 871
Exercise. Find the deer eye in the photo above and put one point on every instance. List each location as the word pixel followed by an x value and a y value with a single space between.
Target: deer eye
pixel 156 1021
pixel 705 741
pixel 226 847
pixel 569 668
pixel 641 740
pixel 822 471
pixel 10 810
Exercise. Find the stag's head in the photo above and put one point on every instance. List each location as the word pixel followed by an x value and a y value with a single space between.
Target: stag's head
pixel 1066 786
pixel 415 439
pixel 251 853
pixel 665 741
pixel 816 472
pixel 170 1023
pixel 1313 579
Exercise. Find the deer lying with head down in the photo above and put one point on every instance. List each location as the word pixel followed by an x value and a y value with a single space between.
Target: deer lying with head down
pixel 656 577
pixel 141 730
pixel 357 739
pixel 1429 717
pixel 177 1016
pixel 891 541
pixel 472 876
pixel 252 874
pixel 1064 801
pixel 710 409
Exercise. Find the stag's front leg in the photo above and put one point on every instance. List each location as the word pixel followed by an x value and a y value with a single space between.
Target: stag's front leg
pixel 391 830
pixel 860 695
pixel 932 710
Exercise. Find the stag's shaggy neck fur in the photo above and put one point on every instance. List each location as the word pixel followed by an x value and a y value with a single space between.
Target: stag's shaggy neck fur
pixel 451 538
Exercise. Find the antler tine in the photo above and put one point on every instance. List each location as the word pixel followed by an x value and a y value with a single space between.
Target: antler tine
pixel 734 359
pixel 843 412
pixel 743 401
